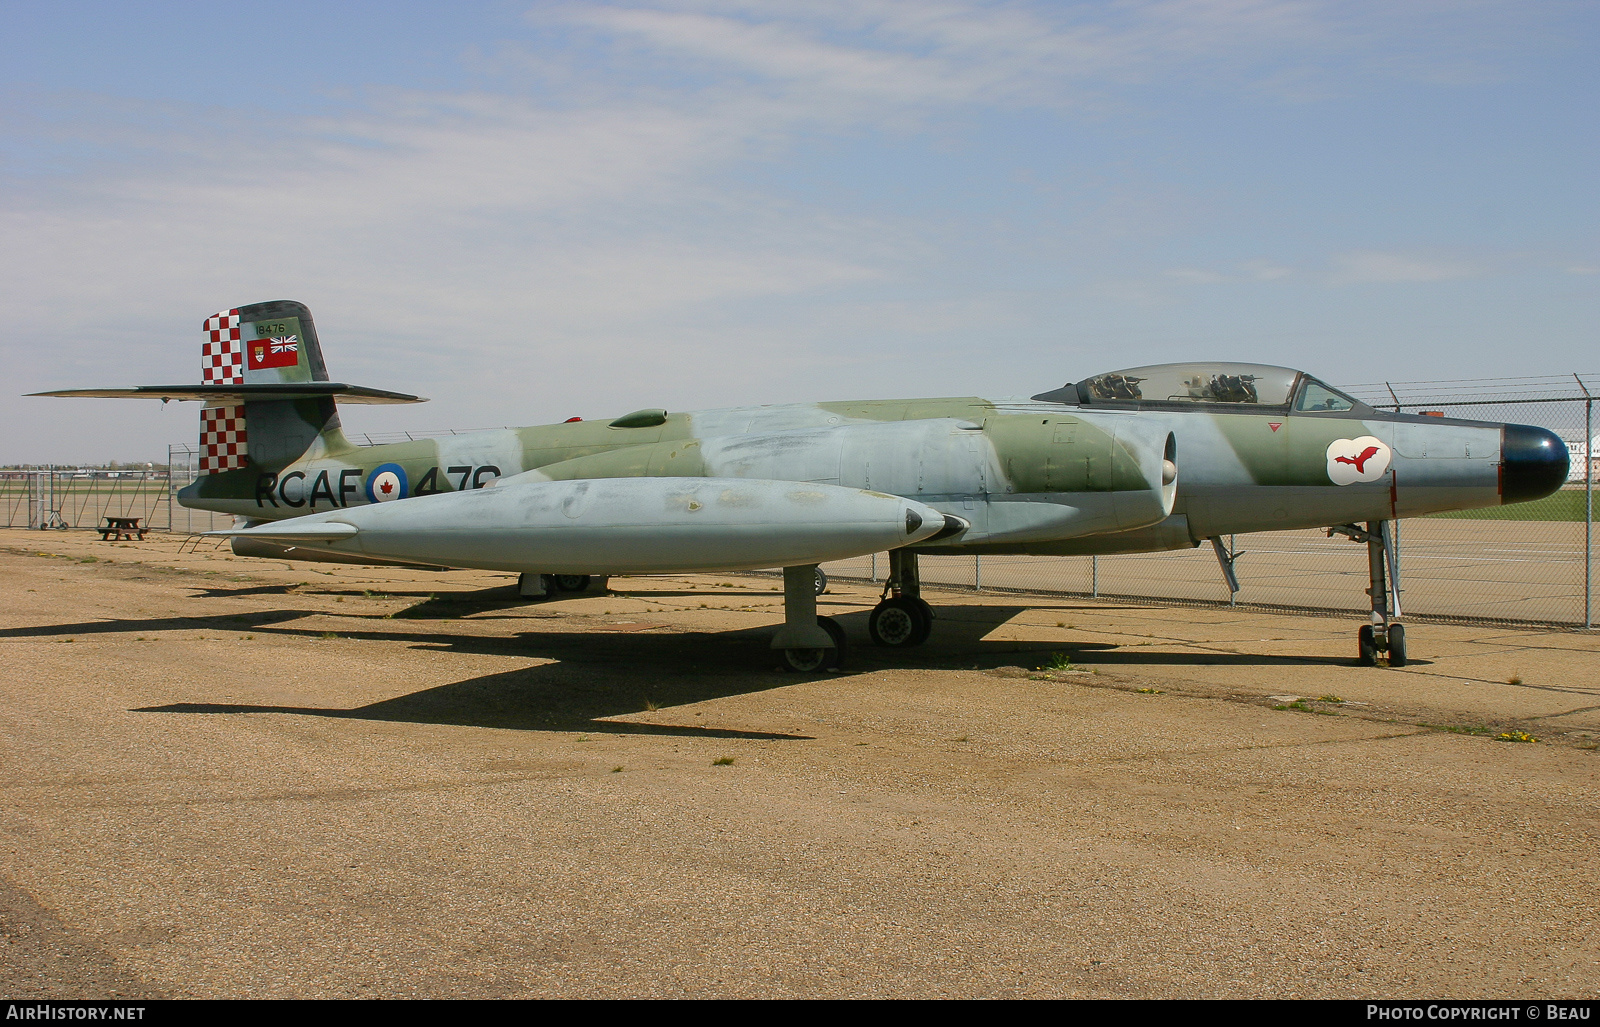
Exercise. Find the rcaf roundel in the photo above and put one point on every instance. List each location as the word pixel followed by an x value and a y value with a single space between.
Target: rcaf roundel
pixel 386 483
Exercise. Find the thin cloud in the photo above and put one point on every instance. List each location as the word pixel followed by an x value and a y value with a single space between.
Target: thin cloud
pixel 1376 267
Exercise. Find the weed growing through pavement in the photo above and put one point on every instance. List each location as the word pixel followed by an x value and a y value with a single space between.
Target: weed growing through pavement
pixel 1514 736
pixel 722 761
pixel 1059 661
pixel 650 704
pixel 616 770
pixel 328 635
pixel 1329 698
pixel 1149 691
pixel 1456 729
pixel 1515 679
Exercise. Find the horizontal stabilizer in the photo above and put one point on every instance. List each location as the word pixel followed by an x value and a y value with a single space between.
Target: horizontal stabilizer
pixel 292 530
pixel 240 393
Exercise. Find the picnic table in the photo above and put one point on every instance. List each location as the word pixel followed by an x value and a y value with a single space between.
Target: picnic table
pixel 121 528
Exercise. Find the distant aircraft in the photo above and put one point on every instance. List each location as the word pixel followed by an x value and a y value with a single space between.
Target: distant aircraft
pixel 1141 460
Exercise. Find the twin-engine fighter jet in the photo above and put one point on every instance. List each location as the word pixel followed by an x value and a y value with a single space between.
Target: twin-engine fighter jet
pixel 1140 460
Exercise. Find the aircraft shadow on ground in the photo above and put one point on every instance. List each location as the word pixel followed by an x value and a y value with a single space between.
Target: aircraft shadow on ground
pixel 549 697
pixel 959 641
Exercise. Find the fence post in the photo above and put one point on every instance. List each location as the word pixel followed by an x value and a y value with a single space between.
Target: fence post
pixel 1094 576
pixel 977 573
pixel 1588 510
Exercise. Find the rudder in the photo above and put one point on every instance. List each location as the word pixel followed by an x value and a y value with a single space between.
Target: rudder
pixel 271 343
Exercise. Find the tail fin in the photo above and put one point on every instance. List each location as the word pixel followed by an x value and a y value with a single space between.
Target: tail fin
pixel 267 394
pixel 263 344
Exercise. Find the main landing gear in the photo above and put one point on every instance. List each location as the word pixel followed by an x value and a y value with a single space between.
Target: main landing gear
pixel 901 619
pixel 810 643
pixel 1385 634
pixel 542 586
pixel 806 642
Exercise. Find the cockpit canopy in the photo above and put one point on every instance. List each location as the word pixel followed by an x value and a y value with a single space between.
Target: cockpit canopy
pixel 1210 384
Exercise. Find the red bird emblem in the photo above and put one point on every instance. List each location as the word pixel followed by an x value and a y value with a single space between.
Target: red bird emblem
pixel 1360 460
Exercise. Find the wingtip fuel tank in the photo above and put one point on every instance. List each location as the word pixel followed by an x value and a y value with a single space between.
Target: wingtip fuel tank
pixel 621 526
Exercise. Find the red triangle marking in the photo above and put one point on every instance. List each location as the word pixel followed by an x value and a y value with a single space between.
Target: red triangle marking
pixel 1274 425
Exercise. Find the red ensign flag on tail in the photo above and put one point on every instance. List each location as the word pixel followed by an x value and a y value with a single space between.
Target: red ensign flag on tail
pixel 281 351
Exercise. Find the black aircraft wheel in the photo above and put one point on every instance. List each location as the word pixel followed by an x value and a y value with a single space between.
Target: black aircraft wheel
pixel 571 582
pixel 899 623
pixel 822 581
pixel 927 621
pixel 1397 645
pixel 1369 647
pixel 835 632
pixel 809 661
pixel 804 661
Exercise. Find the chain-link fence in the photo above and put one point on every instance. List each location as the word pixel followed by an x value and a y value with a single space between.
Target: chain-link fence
pixel 73 497
pixel 44 496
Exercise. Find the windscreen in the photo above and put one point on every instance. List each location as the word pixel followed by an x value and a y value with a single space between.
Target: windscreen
pixel 1317 396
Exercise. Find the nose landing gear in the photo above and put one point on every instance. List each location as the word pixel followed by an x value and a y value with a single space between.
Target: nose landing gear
pixel 901 619
pixel 1385 634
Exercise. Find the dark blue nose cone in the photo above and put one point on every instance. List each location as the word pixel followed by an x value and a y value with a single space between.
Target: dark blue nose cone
pixel 1533 463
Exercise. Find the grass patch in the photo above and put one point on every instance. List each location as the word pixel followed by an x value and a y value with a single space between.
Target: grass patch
pixel 722 761
pixel 1456 729
pixel 1059 661
pixel 1566 505
pixel 1300 704
pixel 1329 698
pixel 1514 736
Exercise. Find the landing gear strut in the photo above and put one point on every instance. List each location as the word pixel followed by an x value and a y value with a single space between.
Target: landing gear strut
pixel 1385 634
pixel 901 619
pixel 807 642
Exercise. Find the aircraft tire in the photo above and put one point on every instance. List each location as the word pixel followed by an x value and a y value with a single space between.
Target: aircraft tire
pixel 809 661
pixel 822 581
pixel 1369 646
pixel 570 582
pixel 1397 645
pixel 804 661
pixel 900 623
pixel 927 621
pixel 836 632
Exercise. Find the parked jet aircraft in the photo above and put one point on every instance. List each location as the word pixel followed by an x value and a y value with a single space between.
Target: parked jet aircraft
pixel 1139 460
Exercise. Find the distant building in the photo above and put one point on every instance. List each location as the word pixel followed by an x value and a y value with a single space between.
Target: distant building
pixel 1577 454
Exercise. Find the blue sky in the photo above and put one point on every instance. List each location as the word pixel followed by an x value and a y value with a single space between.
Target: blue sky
pixel 528 212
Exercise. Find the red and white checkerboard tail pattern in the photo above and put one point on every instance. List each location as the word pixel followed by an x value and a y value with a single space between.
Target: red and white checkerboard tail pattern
pixel 222 438
pixel 222 354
